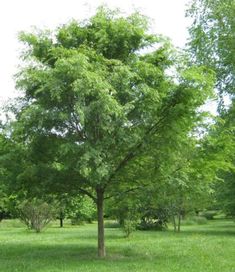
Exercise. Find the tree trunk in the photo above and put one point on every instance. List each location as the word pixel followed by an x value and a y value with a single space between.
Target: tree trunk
pixel 121 220
pixel 61 219
pixel 100 202
pixel 174 222
pixel 61 222
pixel 179 221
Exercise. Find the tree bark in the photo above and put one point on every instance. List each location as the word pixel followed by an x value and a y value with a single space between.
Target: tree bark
pixel 61 222
pixel 174 223
pixel 100 213
pixel 61 218
pixel 179 221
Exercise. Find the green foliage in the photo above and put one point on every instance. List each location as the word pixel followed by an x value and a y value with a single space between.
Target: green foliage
pixel 219 149
pixel 212 44
pixel 129 226
pixel 225 193
pixel 36 214
pixel 92 102
pixel 98 115
pixel 212 39
pixel 208 214
pixel 80 210
pixel 3 205
pixel 200 220
pixel 155 219
pixel 112 224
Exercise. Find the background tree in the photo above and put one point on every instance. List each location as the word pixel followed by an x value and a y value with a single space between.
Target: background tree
pixel 223 136
pixel 212 39
pixel 179 181
pixel 81 209
pixel 212 44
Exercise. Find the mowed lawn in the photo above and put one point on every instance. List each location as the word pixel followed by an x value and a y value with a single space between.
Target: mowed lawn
pixel 198 248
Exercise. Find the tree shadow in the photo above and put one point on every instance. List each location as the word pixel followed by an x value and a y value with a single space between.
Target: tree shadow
pixel 213 231
pixel 73 257
pixel 78 252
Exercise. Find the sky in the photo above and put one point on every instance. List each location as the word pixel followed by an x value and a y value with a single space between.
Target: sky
pixel 167 18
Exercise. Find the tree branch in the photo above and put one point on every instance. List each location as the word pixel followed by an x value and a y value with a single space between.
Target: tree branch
pixel 88 194
pixel 132 152
pixel 127 191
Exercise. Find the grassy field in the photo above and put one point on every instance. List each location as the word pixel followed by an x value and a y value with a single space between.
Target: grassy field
pixel 200 248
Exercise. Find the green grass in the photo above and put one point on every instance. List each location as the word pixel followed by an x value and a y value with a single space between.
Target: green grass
pixel 200 248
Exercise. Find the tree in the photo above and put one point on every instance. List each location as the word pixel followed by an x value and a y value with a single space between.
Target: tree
pixel 223 136
pixel 212 39
pixel 81 209
pixel 225 193
pixel 181 184
pixel 212 44
pixel 93 104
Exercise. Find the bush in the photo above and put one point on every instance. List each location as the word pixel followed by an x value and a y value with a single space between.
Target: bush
pixel 188 222
pixel 77 222
pixel 221 215
pixel 200 220
pixel 4 214
pixel 154 219
pixel 112 224
pixel 81 210
pixel 36 214
pixel 129 226
pixel 209 215
pixel 152 225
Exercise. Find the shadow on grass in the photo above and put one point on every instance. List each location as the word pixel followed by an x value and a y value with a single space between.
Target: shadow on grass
pixel 209 232
pixel 215 228
pixel 38 257
pixel 111 234
pixel 77 251
pixel 231 226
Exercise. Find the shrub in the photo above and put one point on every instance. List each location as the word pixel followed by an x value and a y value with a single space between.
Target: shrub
pixel 36 214
pixel 112 224
pixel 188 222
pixel 129 226
pixel 200 220
pixel 77 222
pixel 152 225
pixel 154 219
pixel 81 210
pixel 209 215
pixel 4 214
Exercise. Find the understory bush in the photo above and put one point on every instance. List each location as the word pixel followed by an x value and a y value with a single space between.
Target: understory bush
pixel 112 224
pixel 36 214
pixel 4 214
pixel 154 219
pixel 209 214
pixel 200 220
pixel 152 225
pixel 81 210
pixel 129 226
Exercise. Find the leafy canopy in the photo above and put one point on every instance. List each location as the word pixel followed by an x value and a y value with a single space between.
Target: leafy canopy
pixel 212 39
pixel 92 101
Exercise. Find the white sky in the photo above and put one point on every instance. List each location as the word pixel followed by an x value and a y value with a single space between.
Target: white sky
pixel 17 15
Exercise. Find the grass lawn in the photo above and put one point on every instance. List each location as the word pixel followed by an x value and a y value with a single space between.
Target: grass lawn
pixel 198 248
